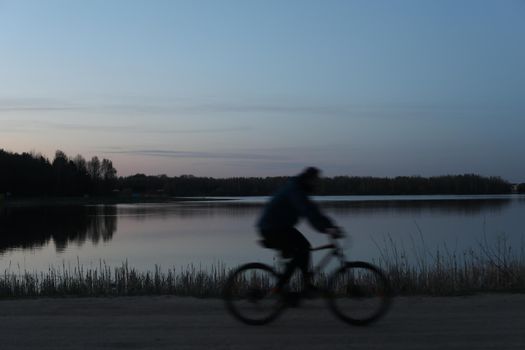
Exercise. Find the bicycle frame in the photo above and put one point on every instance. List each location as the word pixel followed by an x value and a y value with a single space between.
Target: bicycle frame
pixel 335 251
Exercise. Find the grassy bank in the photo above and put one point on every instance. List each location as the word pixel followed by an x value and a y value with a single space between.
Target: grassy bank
pixel 496 268
pixel 120 281
pixel 488 267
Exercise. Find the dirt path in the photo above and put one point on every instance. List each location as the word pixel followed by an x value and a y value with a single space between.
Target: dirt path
pixel 475 322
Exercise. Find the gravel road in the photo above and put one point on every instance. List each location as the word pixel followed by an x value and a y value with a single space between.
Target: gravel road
pixel 472 322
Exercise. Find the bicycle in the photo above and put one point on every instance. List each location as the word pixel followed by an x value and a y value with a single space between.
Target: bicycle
pixel 357 292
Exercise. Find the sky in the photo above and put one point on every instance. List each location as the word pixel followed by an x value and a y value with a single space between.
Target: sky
pixel 265 88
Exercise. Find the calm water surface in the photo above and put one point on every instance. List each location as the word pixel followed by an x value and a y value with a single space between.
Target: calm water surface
pixel 204 233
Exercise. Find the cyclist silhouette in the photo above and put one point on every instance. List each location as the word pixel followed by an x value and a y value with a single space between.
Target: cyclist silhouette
pixel 280 215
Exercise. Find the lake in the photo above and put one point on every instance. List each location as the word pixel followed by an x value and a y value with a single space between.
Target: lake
pixel 216 230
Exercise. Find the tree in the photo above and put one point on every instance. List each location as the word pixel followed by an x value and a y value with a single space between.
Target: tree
pixel 61 173
pixel 109 176
pixel 80 164
pixel 94 168
pixel 108 173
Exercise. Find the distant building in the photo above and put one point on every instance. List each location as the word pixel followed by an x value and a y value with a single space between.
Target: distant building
pixel 514 188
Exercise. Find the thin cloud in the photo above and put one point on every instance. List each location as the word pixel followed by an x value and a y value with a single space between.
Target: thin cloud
pixel 178 106
pixel 196 154
pixel 140 128
pixel 17 126
pixel 36 105
pixel 35 108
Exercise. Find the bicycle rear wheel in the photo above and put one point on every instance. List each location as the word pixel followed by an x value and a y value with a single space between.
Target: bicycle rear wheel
pixel 250 296
pixel 358 293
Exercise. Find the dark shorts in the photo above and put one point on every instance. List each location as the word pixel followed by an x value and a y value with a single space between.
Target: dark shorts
pixel 289 241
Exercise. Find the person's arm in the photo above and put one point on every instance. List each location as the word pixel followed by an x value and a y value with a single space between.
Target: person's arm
pixel 310 210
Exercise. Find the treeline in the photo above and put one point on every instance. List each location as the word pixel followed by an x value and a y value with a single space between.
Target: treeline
pixel 30 174
pixel 416 185
pixel 188 185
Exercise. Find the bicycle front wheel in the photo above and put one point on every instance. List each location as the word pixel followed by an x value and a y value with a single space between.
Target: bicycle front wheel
pixel 249 294
pixel 358 293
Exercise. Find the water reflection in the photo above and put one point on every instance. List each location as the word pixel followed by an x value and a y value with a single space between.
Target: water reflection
pixel 28 228
pixel 179 233
pixel 466 207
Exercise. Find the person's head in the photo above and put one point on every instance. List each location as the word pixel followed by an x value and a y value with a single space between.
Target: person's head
pixel 309 178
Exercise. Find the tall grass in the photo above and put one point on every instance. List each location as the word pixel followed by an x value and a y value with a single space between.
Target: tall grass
pixel 120 281
pixel 488 267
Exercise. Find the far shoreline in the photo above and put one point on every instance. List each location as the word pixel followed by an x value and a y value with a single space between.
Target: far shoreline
pixel 81 201
pixel 25 202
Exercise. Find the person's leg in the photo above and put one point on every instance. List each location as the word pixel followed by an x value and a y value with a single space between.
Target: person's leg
pixel 302 253
pixel 297 247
